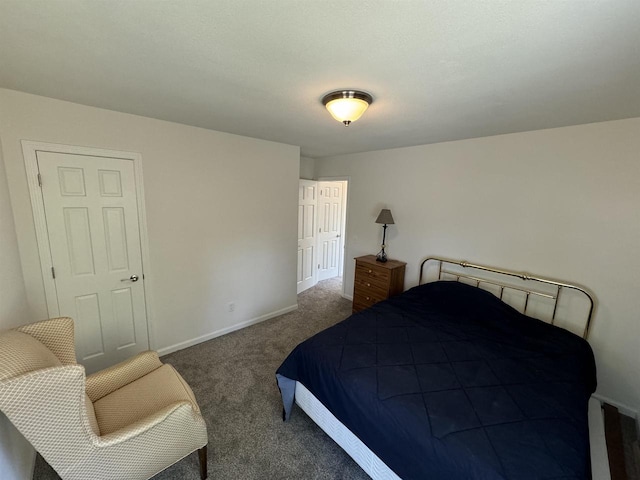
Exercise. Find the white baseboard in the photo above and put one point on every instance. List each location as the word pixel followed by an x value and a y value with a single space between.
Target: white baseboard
pixel 224 331
pixel 622 408
pixel 348 297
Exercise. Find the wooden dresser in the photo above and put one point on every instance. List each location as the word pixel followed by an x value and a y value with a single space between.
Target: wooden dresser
pixel 375 281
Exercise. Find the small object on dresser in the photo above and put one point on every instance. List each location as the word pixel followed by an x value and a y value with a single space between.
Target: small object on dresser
pixel 375 281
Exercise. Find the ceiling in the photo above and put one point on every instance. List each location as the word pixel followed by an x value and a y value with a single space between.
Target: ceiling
pixel 438 69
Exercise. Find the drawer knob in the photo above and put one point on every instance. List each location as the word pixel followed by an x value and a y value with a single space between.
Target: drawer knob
pixel 368 298
pixel 370 271
pixel 368 284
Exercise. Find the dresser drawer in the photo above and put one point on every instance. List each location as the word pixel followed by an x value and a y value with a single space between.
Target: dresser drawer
pixel 369 286
pixel 364 300
pixel 373 274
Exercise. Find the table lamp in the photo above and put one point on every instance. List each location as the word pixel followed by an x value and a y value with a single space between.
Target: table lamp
pixel 385 218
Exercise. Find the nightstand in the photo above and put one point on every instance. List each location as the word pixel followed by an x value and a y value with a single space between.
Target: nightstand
pixel 375 281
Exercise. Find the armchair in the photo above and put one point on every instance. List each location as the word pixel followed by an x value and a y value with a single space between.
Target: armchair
pixel 129 421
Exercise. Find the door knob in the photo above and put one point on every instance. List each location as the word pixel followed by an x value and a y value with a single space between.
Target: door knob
pixel 132 278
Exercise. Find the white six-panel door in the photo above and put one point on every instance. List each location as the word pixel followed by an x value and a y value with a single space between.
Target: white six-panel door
pixel 307 201
pixel 91 211
pixel 330 207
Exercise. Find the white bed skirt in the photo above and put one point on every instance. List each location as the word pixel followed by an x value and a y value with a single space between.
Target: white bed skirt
pixel 340 434
pixel 376 468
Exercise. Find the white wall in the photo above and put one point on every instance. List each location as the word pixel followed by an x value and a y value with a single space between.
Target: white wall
pixel 307 168
pixel 16 454
pixel 221 213
pixel 563 203
pixel 13 299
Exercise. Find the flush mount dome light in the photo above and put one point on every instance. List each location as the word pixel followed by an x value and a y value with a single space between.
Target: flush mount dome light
pixel 347 106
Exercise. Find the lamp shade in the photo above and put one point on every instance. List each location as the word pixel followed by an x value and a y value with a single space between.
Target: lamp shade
pixel 347 106
pixel 385 217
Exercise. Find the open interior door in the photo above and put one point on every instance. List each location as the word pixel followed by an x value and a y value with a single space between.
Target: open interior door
pixel 307 234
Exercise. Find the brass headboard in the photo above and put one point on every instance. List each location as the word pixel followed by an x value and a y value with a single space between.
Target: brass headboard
pixel 447 268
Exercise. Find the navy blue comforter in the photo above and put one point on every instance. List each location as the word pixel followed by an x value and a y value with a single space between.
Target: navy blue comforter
pixel 447 382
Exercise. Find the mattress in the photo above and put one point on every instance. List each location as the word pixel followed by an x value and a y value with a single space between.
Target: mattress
pixel 446 381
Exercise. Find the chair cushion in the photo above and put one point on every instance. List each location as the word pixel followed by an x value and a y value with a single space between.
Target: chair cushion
pixel 139 399
pixel 110 379
pixel 21 353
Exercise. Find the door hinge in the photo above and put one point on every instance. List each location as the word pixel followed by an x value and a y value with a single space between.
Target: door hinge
pixel 318 266
pixel 53 272
pixel 39 180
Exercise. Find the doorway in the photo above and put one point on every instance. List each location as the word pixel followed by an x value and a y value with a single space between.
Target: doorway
pixel 322 208
pixel 87 209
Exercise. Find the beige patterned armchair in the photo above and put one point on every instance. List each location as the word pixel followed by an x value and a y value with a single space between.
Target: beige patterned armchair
pixel 129 421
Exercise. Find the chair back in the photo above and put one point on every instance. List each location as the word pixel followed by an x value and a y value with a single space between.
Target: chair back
pixel 42 392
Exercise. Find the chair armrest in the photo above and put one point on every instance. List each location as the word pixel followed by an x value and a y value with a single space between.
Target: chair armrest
pixel 57 335
pixel 182 412
pixel 105 381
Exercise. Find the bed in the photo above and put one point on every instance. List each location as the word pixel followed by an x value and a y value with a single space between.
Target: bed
pixel 449 381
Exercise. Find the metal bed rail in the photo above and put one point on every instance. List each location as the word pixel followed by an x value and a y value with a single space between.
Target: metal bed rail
pixel 555 297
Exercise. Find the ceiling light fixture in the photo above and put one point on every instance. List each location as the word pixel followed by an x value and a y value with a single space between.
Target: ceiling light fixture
pixel 347 106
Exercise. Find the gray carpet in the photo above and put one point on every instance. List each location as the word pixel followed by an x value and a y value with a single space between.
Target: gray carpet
pixel 631 448
pixel 233 378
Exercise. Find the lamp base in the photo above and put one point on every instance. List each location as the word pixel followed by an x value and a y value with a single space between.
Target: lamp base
pixel 381 257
